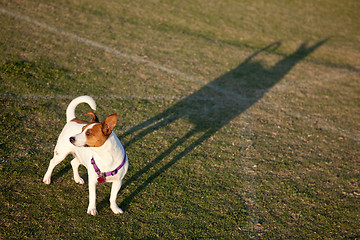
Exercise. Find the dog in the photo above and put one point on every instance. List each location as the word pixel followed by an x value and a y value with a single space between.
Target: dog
pixel 94 145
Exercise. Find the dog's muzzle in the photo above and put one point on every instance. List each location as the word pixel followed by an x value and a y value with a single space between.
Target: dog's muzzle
pixel 72 140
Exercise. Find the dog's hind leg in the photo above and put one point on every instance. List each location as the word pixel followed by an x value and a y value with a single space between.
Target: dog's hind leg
pixel 75 163
pixel 58 157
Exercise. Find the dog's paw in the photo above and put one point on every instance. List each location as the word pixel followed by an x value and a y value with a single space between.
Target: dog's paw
pixel 92 211
pixel 79 181
pixel 116 210
pixel 47 180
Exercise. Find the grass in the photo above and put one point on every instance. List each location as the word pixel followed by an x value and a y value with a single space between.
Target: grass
pixel 262 142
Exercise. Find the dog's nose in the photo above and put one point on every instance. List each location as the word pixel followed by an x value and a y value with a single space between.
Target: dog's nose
pixel 72 139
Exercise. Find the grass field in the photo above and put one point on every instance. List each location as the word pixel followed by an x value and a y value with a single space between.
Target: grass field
pixel 241 119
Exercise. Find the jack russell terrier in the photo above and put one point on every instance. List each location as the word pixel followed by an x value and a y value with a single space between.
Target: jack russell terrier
pixel 95 146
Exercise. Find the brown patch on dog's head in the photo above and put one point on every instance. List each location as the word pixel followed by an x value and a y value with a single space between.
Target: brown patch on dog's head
pixel 97 135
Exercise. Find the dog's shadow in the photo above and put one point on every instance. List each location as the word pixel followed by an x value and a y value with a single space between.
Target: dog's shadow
pixel 212 107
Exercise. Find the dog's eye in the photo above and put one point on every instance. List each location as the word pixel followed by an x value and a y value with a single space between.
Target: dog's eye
pixel 88 134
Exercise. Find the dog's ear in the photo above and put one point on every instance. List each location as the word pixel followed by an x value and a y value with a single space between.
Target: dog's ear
pixel 109 124
pixel 94 118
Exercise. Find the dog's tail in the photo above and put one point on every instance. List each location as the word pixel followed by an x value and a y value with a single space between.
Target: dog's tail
pixel 70 111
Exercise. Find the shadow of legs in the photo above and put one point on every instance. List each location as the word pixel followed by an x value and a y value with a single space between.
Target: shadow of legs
pixel 204 137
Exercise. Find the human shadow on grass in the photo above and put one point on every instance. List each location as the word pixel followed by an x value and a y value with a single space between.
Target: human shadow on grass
pixel 212 107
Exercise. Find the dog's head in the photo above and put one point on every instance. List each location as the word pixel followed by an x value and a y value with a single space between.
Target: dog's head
pixel 95 134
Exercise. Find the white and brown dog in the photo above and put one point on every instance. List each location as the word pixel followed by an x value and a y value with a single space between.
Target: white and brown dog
pixel 95 146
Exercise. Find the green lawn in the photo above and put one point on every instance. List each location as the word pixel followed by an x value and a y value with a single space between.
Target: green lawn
pixel 240 118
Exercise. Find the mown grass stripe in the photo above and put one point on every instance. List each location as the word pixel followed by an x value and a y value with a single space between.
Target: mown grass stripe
pixel 270 105
pixel 101 46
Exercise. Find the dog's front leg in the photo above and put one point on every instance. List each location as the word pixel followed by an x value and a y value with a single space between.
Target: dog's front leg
pixel 114 191
pixel 92 196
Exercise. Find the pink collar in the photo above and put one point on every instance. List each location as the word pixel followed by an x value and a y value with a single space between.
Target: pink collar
pixel 102 175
